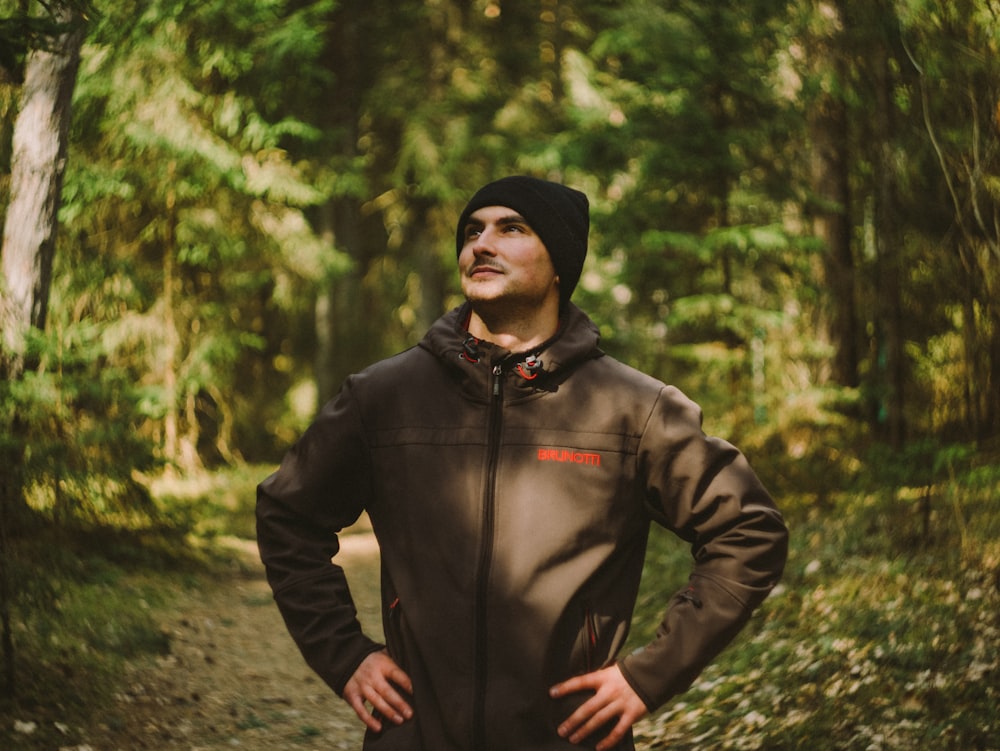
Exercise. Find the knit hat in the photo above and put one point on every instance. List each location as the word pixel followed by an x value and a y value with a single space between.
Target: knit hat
pixel 558 215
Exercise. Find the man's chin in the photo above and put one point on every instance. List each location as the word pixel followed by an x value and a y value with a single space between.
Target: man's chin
pixel 483 291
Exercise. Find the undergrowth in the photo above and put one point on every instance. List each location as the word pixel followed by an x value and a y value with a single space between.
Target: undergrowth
pixel 884 633
pixel 87 599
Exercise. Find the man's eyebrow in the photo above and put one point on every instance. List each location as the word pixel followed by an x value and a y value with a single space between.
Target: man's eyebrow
pixel 513 219
pixel 504 221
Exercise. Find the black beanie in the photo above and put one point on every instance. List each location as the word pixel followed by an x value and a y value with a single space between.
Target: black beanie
pixel 558 215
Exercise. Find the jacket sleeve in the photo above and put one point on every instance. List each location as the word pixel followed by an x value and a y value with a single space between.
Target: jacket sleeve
pixel 320 488
pixel 704 490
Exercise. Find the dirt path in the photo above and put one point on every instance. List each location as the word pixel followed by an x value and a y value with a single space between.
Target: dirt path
pixel 232 677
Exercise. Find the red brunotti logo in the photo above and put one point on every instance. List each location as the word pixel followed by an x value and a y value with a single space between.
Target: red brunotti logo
pixel 568 456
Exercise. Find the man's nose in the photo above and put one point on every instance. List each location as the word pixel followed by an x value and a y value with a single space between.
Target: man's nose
pixel 484 243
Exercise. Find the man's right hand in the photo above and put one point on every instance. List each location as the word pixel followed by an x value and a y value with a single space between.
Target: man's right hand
pixel 377 682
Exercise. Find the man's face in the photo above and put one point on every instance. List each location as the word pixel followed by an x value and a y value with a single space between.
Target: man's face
pixel 503 260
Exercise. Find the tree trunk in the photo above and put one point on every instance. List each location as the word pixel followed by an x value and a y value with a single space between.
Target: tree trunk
pixel 830 206
pixel 433 282
pixel 171 338
pixel 890 250
pixel 831 223
pixel 347 329
pixel 38 163
pixel 347 313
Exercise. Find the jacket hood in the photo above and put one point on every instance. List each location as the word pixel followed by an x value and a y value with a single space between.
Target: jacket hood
pixel 473 361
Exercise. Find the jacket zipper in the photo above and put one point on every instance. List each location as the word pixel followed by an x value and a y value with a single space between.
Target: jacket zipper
pixel 493 426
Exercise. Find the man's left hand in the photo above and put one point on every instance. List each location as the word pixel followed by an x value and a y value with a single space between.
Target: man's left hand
pixel 614 700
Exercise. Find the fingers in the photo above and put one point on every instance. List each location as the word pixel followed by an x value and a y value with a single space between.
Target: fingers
pixel 396 675
pixel 385 702
pixel 357 703
pixel 614 701
pixel 377 684
pixel 574 685
pixel 589 718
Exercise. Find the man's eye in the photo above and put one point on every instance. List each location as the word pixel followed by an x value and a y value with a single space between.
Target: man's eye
pixel 471 232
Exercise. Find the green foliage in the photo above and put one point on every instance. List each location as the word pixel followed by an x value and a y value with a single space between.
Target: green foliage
pixel 245 142
pixel 178 169
pixel 221 503
pixel 71 426
pixel 225 136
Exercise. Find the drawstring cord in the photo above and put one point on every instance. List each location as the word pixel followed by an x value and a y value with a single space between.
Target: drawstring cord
pixel 470 349
pixel 528 369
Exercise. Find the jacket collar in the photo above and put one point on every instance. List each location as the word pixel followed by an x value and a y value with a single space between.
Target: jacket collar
pixel 473 361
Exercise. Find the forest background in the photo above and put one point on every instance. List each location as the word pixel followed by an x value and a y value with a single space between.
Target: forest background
pixel 214 211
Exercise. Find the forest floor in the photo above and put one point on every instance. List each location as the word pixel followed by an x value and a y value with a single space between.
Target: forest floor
pixel 231 676
pixel 883 635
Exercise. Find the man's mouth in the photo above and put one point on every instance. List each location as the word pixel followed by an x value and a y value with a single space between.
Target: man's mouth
pixel 485 269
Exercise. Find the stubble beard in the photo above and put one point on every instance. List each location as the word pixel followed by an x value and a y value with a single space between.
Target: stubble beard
pixel 509 311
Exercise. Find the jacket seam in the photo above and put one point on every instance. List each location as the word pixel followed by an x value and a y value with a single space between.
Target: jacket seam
pixel 721 583
pixel 650 413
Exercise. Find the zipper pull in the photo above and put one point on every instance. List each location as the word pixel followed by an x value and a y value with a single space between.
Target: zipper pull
pixel 497 375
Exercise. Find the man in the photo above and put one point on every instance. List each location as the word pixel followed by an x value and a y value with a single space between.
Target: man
pixel 511 470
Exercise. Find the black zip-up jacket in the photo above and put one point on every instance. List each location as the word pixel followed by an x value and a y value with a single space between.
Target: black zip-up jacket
pixel 511 497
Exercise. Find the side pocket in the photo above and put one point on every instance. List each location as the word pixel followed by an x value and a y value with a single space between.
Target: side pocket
pixel 590 638
pixel 394 633
pixel 601 638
